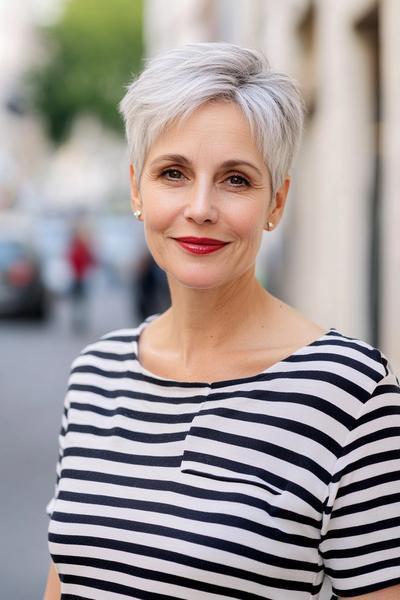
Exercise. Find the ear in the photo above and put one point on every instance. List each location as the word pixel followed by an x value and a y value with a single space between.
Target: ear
pixel 278 203
pixel 136 203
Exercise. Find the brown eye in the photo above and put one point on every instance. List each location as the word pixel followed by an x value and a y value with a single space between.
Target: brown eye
pixel 238 181
pixel 171 174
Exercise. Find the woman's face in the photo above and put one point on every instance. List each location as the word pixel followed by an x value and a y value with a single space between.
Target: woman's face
pixel 205 197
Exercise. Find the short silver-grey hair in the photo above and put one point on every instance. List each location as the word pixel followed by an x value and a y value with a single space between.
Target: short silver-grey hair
pixel 180 80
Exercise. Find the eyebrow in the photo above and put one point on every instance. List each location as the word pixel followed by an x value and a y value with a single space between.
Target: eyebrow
pixel 227 164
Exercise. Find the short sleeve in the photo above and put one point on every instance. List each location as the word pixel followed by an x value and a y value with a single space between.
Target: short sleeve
pixel 360 543
pixel 61 445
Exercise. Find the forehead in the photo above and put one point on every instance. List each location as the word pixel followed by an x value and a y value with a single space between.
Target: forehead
pixel 215 129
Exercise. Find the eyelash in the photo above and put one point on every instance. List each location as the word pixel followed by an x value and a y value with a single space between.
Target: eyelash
pixel 245 182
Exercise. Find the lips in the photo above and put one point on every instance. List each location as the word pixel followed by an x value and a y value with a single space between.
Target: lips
pixel 201 245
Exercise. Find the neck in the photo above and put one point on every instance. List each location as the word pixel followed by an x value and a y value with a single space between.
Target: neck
pixel 200 321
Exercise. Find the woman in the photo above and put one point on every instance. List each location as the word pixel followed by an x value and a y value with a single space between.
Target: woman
pixel 230 447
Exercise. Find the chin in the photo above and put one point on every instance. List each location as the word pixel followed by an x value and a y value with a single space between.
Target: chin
pixel 199 280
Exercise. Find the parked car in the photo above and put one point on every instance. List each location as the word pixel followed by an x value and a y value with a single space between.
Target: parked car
pixel 22 290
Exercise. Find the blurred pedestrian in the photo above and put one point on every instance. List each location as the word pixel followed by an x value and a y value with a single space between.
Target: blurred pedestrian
pixel 150 288
pixel 81 260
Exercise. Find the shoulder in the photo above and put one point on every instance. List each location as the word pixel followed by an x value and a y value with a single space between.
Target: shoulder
pixel 341 370
pixel 363 365
pixel 357 353
pixel 332 349
pixel 116 345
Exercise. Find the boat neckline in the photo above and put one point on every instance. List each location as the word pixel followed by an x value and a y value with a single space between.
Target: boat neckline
pixel 222 382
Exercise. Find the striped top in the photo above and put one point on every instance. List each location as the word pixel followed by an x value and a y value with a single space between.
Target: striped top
pixel 280 486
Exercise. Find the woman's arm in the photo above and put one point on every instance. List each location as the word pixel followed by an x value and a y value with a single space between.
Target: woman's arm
pixel 391 593
pixel 52 591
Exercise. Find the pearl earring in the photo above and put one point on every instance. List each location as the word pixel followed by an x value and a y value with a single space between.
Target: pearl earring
pixel 270 225
pixel 137 214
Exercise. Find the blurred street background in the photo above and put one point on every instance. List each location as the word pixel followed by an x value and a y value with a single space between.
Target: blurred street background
pixel 73 262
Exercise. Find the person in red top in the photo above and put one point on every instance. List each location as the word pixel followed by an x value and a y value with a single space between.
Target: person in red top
pixel 81 260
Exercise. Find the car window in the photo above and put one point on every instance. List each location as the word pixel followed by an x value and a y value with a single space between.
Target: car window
pixel 10 252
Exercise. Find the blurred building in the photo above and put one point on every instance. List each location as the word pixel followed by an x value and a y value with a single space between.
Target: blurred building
pixel 22 142
pixel 88 171
pixel 336 255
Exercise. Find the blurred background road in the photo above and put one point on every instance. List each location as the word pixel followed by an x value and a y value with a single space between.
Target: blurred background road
pixel 35 360
pixel 73 263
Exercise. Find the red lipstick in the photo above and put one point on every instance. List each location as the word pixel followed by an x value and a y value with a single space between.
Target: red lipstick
pixel 200 245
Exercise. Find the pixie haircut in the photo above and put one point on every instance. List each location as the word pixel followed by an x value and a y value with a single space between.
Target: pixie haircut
pixel 177 82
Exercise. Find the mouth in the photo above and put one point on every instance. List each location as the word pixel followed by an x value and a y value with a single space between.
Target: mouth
pixel 202 245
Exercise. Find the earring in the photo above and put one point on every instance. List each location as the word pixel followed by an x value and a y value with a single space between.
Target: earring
pixel 137 214
pixel 270 225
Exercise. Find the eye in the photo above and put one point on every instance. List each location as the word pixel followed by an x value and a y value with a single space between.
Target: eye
pixel 172 175
pixel 238 181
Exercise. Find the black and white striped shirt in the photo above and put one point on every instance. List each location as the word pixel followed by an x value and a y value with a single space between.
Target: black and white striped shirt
pixel 280 486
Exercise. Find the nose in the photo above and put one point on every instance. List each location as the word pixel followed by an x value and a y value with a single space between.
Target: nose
pixel 201 204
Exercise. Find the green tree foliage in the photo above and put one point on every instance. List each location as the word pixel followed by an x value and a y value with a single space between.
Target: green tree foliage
pixel 94 51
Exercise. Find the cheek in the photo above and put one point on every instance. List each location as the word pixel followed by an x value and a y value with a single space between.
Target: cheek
pixel 152 228
pixel 158 215
pixel 249 223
